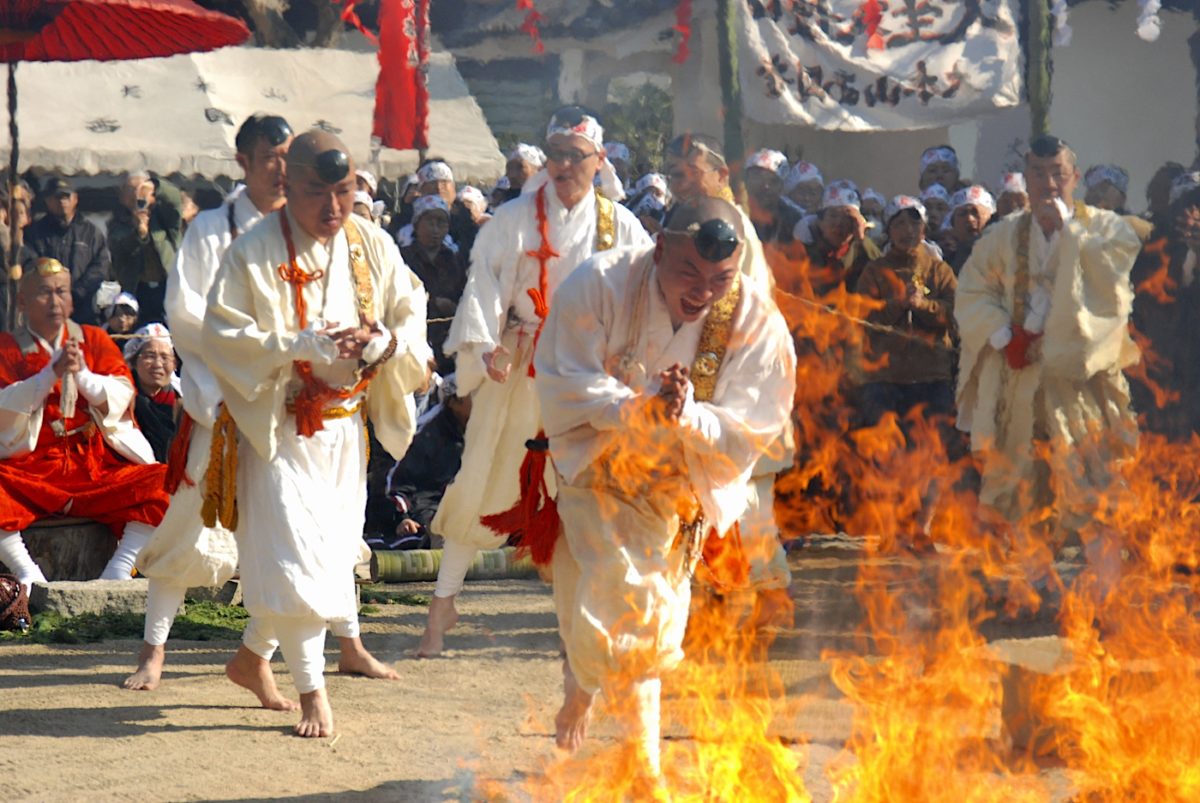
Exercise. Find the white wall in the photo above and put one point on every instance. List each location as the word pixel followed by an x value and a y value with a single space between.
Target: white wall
pixel 1115 99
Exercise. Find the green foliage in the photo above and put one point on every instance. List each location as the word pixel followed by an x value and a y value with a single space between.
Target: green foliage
pixel 380 595
pixel 201 621
pixel 642 119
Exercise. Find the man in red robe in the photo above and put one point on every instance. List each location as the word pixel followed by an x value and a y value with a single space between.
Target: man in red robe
pixel 68 444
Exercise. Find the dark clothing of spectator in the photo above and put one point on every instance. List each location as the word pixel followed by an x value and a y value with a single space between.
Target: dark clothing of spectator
pixel 445 277
pixel 419 481
pixel 1166 304
pixel 140 264
pixel 81 248
pixel 919 351
pixel 829 267
pixel 463 229
pixel 155 417
pixel 782 226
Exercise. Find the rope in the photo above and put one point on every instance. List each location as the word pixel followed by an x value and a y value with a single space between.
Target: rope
pixel 875 327
pixel 131 336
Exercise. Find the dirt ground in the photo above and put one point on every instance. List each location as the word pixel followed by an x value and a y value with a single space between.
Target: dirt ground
pixel 481 716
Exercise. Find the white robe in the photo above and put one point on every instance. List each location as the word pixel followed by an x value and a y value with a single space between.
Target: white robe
pixel 621 588
pixel 302 500
pixel 1073 395
pixel 495 309
pixel 182 551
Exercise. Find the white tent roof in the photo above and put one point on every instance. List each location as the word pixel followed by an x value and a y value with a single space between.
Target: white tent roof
pixel 180 114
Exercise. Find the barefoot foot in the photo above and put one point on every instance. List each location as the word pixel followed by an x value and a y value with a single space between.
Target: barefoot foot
pixel 316 717
pixel 251 672
pixel 149 670
pixel 442 617
pixel 571 722
pixel 355 660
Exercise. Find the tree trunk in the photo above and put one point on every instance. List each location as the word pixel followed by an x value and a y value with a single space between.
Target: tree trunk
pixel 270 28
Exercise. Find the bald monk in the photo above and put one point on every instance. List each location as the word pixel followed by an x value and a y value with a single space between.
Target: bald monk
pixel 183 553
pixel 313 323
pixel 68 445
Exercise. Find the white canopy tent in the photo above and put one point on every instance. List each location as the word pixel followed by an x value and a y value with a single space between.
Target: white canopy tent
pixel 180 114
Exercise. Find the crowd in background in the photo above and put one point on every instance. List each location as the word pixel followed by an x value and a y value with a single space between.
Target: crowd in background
pixel 826 241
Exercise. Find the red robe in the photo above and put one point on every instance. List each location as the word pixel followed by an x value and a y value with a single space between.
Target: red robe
pixel 78 475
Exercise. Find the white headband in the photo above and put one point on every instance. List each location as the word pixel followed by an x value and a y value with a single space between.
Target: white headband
pixel 435 171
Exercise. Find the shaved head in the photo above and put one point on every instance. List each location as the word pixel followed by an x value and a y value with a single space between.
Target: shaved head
pixel 322 152
pixel 699 211
pixel 320 183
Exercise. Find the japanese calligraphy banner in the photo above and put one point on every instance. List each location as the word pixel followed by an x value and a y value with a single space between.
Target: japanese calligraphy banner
pixel 850 65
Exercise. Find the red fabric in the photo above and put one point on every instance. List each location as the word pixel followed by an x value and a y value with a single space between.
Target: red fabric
pixel 683 25
pixel 177 456
pixel 872 15
pixel 725 563
pixel 402 89
pixel 1017 350
pixel 534 518
pixel 351 16
pixel 112 30
pixel 78 475
pixel 530 25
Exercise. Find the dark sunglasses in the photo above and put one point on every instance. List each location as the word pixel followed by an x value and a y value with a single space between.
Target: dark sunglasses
pixel 569 156
pixel 1047 145
pixel 715 239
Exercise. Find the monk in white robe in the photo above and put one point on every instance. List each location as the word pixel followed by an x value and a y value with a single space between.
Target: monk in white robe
pixel 495 329
pixel 1043 307
pixel 663 376
pixel 183 553
pixel 313 317
pixel 697 168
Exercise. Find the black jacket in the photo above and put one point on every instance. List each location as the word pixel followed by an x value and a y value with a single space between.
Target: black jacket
pixel 81 247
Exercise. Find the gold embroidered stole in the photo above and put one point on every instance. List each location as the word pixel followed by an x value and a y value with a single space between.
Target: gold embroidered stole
pixel 606 223
pixel 714 342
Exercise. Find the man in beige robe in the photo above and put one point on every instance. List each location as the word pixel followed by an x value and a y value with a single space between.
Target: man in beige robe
pixel 1043 307
pixel 664 376
pixel 312 319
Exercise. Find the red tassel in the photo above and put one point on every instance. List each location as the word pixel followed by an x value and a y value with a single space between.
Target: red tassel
pixel 683 24
pixel 351 16
pixel 177 456
pixel 534 518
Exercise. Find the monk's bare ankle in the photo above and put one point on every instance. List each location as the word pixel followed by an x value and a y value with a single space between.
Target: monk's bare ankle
pixel 149 671
pixel 571 722
pixel 316 717
pixel 442 617
pixel 354 659
pixel 252 672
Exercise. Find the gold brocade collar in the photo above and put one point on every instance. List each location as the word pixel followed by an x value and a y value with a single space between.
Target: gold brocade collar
pixel 714 342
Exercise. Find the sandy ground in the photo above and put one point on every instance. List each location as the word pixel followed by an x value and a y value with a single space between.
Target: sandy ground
pixel 480 717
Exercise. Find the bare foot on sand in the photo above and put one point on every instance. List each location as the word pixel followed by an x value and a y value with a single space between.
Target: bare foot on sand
pixel 442 617
pixel 571 722
pixel 355 660
pixel 149 671
pixel 251 672
pixel 316 717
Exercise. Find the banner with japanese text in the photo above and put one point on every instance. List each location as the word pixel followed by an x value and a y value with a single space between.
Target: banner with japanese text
pixel 878 65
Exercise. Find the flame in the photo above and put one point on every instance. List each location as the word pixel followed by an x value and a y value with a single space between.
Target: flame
pixel 940 712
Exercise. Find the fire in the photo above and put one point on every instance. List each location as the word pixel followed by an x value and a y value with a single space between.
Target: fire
pixel 932 693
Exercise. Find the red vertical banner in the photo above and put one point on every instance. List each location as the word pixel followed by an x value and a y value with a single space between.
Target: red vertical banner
pixel 402 90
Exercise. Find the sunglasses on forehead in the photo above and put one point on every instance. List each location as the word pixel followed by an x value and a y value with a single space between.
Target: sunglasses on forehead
pixel 331 166
pixel 715 239
pixel 571 116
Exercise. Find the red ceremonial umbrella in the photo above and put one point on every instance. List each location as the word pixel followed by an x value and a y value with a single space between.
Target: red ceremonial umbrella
pixel 103 30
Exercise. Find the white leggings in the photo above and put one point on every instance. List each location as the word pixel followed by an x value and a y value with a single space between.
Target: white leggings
pixel 456 561
pixel 262 640
pixel 163 599
pixel 302 640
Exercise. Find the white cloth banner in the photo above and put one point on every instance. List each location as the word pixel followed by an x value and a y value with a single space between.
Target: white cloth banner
pixel 849 65
pixel 180 114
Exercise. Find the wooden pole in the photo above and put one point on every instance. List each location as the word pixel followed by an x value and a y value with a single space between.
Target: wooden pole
pixel 1037 79
pixel 10 301
pixel 731 88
